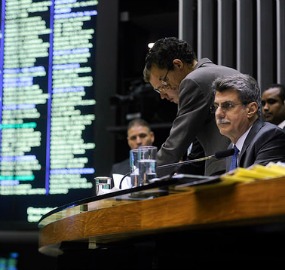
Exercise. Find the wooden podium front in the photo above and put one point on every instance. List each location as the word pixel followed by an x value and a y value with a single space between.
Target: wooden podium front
pixel 175 226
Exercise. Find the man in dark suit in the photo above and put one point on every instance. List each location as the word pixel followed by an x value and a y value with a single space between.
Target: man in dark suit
pixel 173 70
pixel 237 106
pixel 139 134
pixel 273 104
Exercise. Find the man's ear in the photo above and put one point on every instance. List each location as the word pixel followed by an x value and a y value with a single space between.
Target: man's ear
pixel 252 109
pixel 178 63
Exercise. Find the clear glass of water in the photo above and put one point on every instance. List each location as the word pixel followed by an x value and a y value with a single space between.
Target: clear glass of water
pixel 147 169
pixel 134 167
pixel 146 164
pixel 103 184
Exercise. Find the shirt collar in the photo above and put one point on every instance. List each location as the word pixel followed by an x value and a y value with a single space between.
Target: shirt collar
pixel 282 124
pixel 240 142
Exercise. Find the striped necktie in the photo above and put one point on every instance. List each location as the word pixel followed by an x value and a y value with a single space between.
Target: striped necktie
pixel 234 159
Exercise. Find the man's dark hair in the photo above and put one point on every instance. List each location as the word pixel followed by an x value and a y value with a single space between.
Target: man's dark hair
pixel 164 51
pixel 246 86
pixel 138 122
pixel 281 87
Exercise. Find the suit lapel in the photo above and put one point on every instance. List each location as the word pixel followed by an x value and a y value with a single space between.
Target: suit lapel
pixel 257 125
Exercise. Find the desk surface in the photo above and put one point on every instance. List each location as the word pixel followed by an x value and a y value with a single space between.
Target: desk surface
pixel 118 218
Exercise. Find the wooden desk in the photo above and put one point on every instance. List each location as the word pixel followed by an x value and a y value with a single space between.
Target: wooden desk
pixel 259 203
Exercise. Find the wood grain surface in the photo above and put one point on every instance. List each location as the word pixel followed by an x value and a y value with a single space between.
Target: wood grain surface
pixel 255 203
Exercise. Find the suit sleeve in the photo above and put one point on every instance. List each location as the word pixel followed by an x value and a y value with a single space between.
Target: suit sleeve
pixel 193 112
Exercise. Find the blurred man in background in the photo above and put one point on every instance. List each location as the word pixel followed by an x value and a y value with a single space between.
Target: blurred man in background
pixel 273 104
pixel 139 134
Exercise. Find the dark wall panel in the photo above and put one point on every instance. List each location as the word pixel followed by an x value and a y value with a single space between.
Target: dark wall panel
pixel 244 34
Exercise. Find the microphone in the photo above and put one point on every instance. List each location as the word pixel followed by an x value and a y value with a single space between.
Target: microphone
pixel 217 155
pixel 225 153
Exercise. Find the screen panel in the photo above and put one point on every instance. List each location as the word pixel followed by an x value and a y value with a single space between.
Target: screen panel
pixel 47 74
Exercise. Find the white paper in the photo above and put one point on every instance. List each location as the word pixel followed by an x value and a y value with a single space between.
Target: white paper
pixel 126 183
pixel 106 191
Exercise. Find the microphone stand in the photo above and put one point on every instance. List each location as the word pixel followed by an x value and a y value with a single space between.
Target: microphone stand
pixel 217 155
pixel 185 162
pixel 178 165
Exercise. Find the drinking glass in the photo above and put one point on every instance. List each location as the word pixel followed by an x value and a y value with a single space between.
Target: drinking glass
pixel 146 164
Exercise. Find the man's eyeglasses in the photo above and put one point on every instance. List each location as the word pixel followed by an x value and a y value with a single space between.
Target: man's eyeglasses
pixel 164 79
pixel 164 84
pixel 225 106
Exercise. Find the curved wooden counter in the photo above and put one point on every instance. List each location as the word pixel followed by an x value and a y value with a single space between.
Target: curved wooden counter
pixel 108 221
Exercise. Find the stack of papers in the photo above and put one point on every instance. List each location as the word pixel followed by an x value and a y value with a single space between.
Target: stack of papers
pixel 255 172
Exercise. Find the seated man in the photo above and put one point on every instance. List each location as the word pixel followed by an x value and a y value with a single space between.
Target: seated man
pixel 139 134
pixel 273 104
pixel 237 104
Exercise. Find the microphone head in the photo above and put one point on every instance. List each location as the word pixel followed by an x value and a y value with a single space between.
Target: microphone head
pixel 224 154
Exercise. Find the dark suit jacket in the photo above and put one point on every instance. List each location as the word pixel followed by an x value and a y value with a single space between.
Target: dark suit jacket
pixel 194 118
pixel 122 167
pixel 264 143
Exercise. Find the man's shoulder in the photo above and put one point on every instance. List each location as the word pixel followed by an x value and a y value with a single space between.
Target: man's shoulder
pixel 210 71
pixel 121 167
pixel 206 62
pixel 121 163
pixel 269 127
pixel 265 130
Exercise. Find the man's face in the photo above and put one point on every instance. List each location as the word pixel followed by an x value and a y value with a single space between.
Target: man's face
pixel 273 108
pixel 139 136
pixel 231 115
pixel 166 83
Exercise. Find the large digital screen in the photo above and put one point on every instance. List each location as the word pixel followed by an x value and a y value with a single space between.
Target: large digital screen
pixel 47 73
